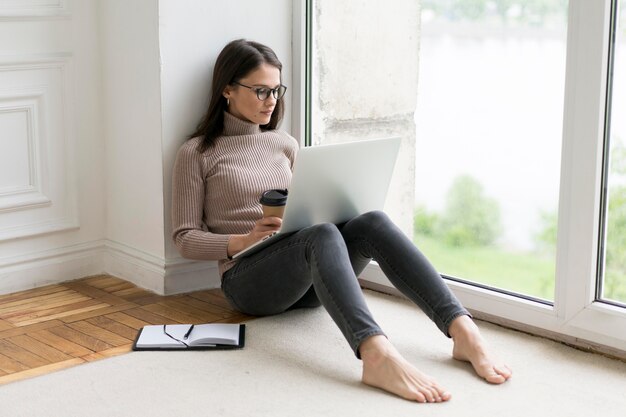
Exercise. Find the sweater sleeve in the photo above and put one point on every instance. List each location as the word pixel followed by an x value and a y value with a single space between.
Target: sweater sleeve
pixel 190 234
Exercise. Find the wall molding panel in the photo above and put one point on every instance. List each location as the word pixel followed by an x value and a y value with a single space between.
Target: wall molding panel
pixel 37 177
pixel 27 192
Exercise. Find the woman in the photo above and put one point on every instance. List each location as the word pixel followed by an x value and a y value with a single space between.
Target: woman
pixel 235 155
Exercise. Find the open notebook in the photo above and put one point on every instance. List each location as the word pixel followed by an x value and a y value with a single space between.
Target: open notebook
pixel 188 336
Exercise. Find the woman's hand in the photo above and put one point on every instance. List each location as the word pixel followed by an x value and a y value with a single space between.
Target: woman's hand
pixel 263 227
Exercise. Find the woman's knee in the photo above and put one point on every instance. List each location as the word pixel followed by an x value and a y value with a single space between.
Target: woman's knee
pixel 375 216
pixel 323 240
pixel 372 220
pixel 323 232
pixel 368 225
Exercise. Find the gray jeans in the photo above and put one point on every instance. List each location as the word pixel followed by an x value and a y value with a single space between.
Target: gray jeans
pixel 320 265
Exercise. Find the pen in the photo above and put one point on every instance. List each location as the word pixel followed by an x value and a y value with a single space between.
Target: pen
pixel 188 332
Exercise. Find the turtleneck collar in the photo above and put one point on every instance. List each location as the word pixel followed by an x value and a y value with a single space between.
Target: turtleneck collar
pixel 234 126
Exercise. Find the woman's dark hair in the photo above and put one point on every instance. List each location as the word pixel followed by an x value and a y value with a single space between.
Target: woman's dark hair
pixel 237 59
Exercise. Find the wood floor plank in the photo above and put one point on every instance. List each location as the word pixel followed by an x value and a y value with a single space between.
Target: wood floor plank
pixel 10 366
pixel 187 308
pixel 114 327
pixel 42 370
pixel 30 328
pixel 173 314
pixel 30 344
pixel 15 352
pixel 104 310
pixel 118 350
pixel 93 278
pixel 150 317
pixel 96 293
pixel 210 308
pixel 43 310
pixel 237 318
pixel 212 297
pixel 35 292
pixel 151 299
pixel 80 338
pixel 134 291
pixel 127 320
pixel 92 357
pixel 5 325
pixel 99 333
pixel 35 301
pixel 62 314
pixel 60 343
pixel 119 287
pixel 104 281
pixel 48 309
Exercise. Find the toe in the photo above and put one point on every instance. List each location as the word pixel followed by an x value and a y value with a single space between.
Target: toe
pixel 439 393
pixel 493 376
pixel 428 394
pixel 417 396
pixel 495 379
pixel 504 370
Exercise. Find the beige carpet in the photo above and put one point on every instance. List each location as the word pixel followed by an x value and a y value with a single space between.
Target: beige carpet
pixel 298 364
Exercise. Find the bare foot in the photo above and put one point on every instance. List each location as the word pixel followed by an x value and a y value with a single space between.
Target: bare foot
pixel 469 346
pixel 385 368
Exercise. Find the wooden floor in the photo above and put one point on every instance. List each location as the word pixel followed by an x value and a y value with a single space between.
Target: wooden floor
pixel 58 326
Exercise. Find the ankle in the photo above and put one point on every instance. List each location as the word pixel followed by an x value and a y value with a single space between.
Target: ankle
pixel 374 347
pixel 462 326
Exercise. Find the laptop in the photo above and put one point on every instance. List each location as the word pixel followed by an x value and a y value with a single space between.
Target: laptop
pixel 333 184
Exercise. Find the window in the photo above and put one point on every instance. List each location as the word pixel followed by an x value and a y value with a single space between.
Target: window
pixel 503 108
pixel 612 281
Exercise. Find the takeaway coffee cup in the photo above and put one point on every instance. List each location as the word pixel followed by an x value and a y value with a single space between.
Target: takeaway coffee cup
pixel 273 203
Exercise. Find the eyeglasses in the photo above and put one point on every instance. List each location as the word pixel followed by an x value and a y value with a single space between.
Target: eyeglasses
pixel 262 93
pixel 172 337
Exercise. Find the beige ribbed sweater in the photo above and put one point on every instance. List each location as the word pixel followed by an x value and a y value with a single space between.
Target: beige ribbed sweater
pixel 216 193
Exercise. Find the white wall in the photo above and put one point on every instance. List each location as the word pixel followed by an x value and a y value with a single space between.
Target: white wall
pixel 192 33
pixel 132 118
pixel 131 97
pixel 110 89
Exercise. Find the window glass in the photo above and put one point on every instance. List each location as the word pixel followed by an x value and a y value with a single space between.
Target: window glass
pixel 489 131
pixel 614 285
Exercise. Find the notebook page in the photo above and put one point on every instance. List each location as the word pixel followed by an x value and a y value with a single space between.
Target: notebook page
pixel 214 333
pixel 153 336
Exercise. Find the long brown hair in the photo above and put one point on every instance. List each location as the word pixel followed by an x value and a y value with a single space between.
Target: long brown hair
pixel 237 59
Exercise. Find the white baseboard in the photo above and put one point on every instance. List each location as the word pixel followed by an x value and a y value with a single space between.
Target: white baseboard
pixel 135 266
pixel 156 274
pixel 184 275
pixel 50 267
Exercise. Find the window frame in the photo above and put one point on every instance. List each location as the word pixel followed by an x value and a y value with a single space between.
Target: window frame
pixel 576 316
